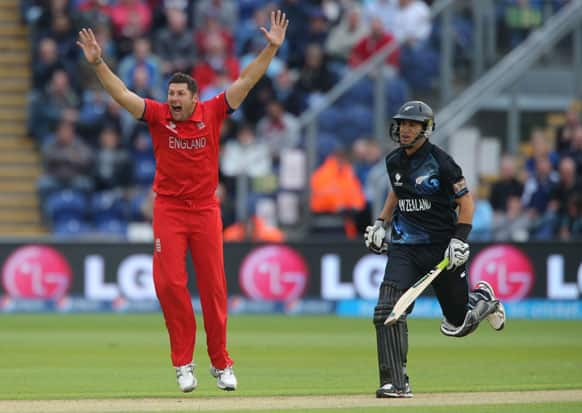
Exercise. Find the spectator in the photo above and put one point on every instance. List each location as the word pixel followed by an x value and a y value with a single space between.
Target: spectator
pixel 88 80
pixel 571 222
pixel 112 162
pixel 335 189
pixel 246 155
pixel 315 76
pixel 482 217
pixel 521 17
pixel 335 186
pixel 142 57
pixel 92 12
pixel 253 229
pixel 343 37
pixel 512 224
pixel 48 107
pixel 247 36
pixel 418 61
pixel 131 18
pixel 385 10
pixel 97 112
pixel 565 133
pixel 210 29
pixel 48 11
pixel 216 60
pixel 317 29
pixel 296 11
pixel 576 149
pixel 540 149
pixel 67 162
pixel 569 183
pixel 370 44
pixel 63 33
pixel 293 99
pixel 226 12
pixel 536 197
pixel 412 23
pixel 367 154
pixel 279 129
pixel 173 44
pixel 252 49
pixel 227 206
pixel 46 63
pixel 507 185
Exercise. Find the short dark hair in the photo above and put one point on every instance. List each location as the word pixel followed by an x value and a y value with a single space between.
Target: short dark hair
pixel 184 78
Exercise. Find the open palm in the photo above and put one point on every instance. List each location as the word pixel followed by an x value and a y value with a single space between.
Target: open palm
pixel 88 43
pixel 276 34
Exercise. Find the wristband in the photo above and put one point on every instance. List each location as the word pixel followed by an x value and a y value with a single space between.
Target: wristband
pixel 97 62
pixel 462 231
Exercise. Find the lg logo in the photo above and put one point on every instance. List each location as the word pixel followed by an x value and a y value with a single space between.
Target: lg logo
pixel 36 272
pixel 274 273
pixel 506 268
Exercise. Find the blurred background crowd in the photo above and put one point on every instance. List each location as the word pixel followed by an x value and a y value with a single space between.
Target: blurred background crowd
pixel 98 163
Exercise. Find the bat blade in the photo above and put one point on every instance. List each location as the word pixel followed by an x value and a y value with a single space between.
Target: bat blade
pixel 414 292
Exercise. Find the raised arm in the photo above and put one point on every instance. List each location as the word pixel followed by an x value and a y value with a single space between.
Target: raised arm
pixel 251 74
pixel 110 82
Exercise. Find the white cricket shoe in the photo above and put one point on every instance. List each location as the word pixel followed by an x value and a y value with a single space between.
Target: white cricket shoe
pixel 497 318
pixel 226 380
pixel 186 379
pixel 388 391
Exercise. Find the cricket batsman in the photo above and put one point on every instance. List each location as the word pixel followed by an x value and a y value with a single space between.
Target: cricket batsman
pixel 186 213
pixel 428 188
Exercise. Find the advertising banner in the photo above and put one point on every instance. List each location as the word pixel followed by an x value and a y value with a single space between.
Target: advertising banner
pixel 311 276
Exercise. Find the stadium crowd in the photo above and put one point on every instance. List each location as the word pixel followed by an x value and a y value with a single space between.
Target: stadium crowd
pixel 99 163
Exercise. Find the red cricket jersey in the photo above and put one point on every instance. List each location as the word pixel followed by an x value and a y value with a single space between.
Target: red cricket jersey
pixel 187 151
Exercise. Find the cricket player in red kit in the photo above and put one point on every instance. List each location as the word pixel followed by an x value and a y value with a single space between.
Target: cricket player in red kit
pixel 186 135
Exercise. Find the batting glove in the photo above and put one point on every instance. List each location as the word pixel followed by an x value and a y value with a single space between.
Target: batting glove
pixel 458 253
pixel 374 237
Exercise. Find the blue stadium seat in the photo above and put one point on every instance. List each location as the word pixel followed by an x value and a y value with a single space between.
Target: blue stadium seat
pixel 116 227
pixel 355 122
pixel 329 119
pixel 397 92
pixel 135 205
pixel 144 170
pixel 70 228
pixel 362 93
pixel 65 205
pixel 107 205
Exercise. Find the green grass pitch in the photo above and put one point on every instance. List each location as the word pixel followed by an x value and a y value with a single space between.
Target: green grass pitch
pixel 118 356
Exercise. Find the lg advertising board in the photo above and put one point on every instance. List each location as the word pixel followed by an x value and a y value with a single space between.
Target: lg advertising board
pixel 278 273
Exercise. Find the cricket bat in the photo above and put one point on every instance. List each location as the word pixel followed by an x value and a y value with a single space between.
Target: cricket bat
pixel 413 292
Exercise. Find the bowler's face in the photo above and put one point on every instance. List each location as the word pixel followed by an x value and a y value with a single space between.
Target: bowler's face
pixel 181 101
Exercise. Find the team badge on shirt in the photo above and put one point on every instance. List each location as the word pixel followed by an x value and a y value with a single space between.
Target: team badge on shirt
pixel 200 125
pixel 171 125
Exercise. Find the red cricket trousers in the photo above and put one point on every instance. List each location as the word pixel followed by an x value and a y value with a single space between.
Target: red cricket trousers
pixel 180 225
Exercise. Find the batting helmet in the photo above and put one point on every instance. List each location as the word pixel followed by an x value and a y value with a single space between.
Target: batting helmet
pixel 417 111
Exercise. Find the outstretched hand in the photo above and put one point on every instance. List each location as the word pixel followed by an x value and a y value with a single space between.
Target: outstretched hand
pixel 90 46
pixel 279 24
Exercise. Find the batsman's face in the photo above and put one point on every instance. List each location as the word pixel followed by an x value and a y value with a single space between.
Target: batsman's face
pixel 409 130
pixel 181 100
